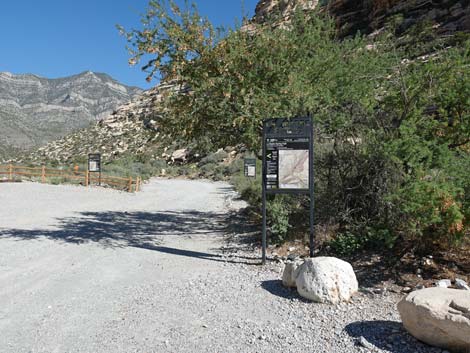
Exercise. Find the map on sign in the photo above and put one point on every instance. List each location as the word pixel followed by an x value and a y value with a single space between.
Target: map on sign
pixel 293 169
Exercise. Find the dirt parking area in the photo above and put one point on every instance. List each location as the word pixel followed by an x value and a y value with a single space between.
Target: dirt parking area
pixel 97 270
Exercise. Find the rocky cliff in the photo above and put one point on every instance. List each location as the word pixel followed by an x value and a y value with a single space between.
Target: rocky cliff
pixel 34 110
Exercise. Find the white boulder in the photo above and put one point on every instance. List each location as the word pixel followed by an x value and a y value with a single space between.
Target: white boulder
pixel 290 273
pixel 180 155
pixel 326 280
pixel 439 317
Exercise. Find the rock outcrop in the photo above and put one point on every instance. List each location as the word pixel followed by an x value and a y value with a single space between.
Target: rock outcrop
pixel 281 8
pixel 35 110
pixel 439 317
pixel 326 280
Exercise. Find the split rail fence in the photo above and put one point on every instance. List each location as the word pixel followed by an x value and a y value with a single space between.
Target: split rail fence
pixel 12 173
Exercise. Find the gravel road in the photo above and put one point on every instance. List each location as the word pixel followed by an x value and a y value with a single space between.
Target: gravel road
pixel 96 270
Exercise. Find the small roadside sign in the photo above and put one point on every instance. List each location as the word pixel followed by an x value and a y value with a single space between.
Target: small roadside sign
pixel 94 166
pixel 250 167
pixel 94 162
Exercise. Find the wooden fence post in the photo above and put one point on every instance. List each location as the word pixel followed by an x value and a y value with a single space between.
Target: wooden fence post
pixel 86 177
pixel 129 188
pixel 43 174
pixel 137 184
pixel 10 172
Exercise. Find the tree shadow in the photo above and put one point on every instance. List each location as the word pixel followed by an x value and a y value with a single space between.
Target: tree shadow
pixel 390 336
pixel 276 288
pixel 241 232
pixel 144 230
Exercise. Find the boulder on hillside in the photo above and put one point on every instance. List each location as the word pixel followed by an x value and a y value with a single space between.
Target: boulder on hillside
pixel 326 280
pixel 439 317
pixel 180 155
pixel 291 270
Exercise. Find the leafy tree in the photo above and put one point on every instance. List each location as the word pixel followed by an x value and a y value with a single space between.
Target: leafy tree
pixel 392 145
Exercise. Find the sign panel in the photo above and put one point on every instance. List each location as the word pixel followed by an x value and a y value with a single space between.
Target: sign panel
pixel 94 162
pixel 250 167
pixel 287 163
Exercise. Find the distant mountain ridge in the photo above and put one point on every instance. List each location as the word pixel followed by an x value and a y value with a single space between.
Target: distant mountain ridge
pixel 35 110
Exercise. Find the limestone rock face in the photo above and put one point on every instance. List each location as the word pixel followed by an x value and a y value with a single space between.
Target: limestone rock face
pixel 291 270
pixel 439 317
pixel 326 280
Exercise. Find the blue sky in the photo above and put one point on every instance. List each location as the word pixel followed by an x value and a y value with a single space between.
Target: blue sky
pixel 56 38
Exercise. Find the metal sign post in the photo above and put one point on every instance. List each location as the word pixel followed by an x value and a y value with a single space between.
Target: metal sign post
pixel 288 164
pixel 250 167
pixel 94 165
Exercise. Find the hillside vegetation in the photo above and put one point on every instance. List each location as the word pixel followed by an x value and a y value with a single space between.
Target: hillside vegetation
pixel 392 117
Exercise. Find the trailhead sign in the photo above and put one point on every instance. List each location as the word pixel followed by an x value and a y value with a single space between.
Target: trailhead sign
pixel 250 167
pixel 288 163
pixel 94 162
pixel 94 165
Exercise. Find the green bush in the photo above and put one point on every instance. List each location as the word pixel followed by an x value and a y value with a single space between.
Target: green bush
pixel 350 242
pixel 279 210
pixel 213 158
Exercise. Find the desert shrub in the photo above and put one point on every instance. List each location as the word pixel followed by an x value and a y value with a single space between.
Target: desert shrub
pixel 57 180
pixel 350 242
pixel 278 221
pixel 213 158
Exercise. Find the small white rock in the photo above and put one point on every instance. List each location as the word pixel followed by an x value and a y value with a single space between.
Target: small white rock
pixel 461 284
pixel 444 283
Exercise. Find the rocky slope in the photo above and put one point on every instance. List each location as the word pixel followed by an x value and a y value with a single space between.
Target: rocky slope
pixel 133 127
pixel 34 110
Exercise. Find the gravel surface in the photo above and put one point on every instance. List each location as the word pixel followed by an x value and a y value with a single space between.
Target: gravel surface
pixel 164 270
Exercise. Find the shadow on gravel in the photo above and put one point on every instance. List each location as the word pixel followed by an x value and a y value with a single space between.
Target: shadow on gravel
pixel 390 336
pixel 241 233
pixel 143 230
pixel 276 288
